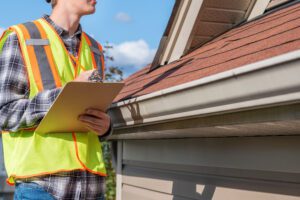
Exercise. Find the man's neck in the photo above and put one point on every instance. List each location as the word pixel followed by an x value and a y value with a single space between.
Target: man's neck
pixel 67 21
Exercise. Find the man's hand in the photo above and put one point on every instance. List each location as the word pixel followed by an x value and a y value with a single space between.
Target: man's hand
pixel 96 120
pixel 84 76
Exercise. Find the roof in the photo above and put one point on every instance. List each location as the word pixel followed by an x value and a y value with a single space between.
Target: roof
pixel 271 35
pixel 194 23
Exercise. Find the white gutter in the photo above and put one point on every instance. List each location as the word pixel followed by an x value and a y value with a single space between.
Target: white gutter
pixel 193 98
pixel 294 55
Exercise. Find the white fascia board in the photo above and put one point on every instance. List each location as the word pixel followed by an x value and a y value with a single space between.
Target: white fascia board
pixel 241 88
pixel 184 23
pixel 185 30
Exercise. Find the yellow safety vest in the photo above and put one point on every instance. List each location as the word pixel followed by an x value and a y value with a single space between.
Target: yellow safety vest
pixel 49 65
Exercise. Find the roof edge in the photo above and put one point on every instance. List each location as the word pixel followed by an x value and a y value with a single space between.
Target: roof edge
pixel 261 84
pixel 294 55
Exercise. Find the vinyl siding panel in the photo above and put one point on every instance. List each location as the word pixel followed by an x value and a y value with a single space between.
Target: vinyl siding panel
pixel 212 168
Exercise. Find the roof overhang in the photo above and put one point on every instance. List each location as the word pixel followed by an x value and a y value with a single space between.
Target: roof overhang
pixel 195 22
pixel 268 84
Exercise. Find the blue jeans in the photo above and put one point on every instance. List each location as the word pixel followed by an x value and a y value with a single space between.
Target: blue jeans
pixel 31 191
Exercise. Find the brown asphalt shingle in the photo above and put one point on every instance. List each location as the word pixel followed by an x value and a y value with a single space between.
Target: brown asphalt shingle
pixel 272 35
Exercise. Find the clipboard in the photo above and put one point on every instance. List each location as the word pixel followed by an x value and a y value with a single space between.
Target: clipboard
pixel 72 101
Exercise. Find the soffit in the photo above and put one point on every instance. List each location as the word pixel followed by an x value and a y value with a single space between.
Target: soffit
pixel 215 18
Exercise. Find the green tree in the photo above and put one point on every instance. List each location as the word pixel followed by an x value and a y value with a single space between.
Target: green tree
pixel 113 74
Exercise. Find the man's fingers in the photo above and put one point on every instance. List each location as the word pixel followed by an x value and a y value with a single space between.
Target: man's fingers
pixel 95 120
pixel 99 130
pixel 83 77
pixel 103 123
pixel 96 112
pixel 91 120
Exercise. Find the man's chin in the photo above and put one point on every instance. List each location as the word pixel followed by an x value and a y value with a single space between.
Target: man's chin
pixel 89 12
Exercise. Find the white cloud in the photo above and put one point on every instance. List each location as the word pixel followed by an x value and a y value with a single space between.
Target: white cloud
pixel 135 54
pixel 123 17
pixel 1 30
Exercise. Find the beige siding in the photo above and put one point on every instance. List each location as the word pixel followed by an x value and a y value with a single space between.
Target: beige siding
pixel 131 192
pixel 212 168
pixel 218 193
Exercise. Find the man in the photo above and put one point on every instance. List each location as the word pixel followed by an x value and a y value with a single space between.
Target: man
pixel 36 60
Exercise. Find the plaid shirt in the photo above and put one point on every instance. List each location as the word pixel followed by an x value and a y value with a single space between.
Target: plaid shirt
pixel 17 111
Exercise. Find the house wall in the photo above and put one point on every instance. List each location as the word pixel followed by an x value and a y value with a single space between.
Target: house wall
pixel 230 168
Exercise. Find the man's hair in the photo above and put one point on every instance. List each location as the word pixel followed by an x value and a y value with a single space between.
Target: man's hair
pixel 53 2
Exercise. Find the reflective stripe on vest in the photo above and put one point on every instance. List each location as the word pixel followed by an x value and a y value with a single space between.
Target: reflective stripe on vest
pixel 28 153
pixel 44 69
pixel 98 56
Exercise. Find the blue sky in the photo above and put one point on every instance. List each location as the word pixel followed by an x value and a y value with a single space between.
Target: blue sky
pixel 134 27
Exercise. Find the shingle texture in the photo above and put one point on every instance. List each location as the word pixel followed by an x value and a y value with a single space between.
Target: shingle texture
pixel 269 36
